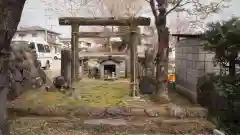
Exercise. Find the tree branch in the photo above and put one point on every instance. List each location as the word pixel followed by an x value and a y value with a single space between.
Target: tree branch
pixel 177 5
pixel 66 7
pixel 152 4
pixel 147 1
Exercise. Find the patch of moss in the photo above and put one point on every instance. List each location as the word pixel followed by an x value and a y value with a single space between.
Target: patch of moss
pixel 93 93
pixel 102 93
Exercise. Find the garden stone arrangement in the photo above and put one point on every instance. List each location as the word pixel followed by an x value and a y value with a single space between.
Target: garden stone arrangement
pixel 105 108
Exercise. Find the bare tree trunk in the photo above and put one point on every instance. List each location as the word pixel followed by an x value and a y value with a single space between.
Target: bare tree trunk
pixel 162 68
pixel 10 14
pixel 162 54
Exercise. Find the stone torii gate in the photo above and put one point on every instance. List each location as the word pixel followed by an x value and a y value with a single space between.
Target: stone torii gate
pixel 133 23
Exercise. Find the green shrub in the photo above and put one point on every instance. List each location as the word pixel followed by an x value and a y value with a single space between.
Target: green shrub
pixel 221 95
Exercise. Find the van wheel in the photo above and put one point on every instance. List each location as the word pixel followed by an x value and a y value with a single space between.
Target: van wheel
pixel 47 66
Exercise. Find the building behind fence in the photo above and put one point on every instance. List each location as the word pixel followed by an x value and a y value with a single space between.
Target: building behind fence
pixel 191 62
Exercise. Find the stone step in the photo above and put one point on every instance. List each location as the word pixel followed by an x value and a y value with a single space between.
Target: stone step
pixel 171 126
pixel 120 126
pixel 80 111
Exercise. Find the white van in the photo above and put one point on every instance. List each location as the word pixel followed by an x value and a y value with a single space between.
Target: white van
pixel 41 48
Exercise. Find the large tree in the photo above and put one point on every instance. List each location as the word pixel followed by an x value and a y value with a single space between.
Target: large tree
pixel 120 8
pixel 160 10
pixel 70 8
pixel 222 38
pixel 10 14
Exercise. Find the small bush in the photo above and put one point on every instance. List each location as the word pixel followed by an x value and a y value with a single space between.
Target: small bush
pixel 221 95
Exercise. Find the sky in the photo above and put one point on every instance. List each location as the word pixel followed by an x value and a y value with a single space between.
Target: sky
pixel 36 13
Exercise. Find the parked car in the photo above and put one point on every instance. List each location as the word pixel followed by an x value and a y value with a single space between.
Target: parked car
pixel 57 56
pixel 41 48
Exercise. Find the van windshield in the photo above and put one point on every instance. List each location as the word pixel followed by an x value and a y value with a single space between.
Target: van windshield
pixel 22 44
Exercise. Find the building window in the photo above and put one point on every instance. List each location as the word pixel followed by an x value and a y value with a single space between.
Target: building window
pixel 47 48
pixel 40 48
pixel 22 34
pixel 34 34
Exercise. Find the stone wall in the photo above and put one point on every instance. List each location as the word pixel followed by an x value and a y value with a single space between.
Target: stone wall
pixel 191 63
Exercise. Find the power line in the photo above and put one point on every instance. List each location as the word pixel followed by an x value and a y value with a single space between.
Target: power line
pixel 48 17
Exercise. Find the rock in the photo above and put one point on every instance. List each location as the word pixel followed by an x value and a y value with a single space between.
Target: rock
pixel 118 111
pixel 114 111
pixel 59 82
pixel 151 112
pixel 17 75
pixel 37 82
pixel 98 112
pixel 127 111
pixel 25 74
pixel 112 122
pixel 197 112
pixel 177 111
pixel 16 90
pixel 3 80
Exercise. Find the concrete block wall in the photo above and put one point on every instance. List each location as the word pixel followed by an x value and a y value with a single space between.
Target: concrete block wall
pixel 191 62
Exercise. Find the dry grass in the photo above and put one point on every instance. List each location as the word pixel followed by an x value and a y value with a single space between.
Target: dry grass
pixel 102 93
pixel 93 93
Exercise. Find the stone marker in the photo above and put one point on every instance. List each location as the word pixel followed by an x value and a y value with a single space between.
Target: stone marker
pixel 177 111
